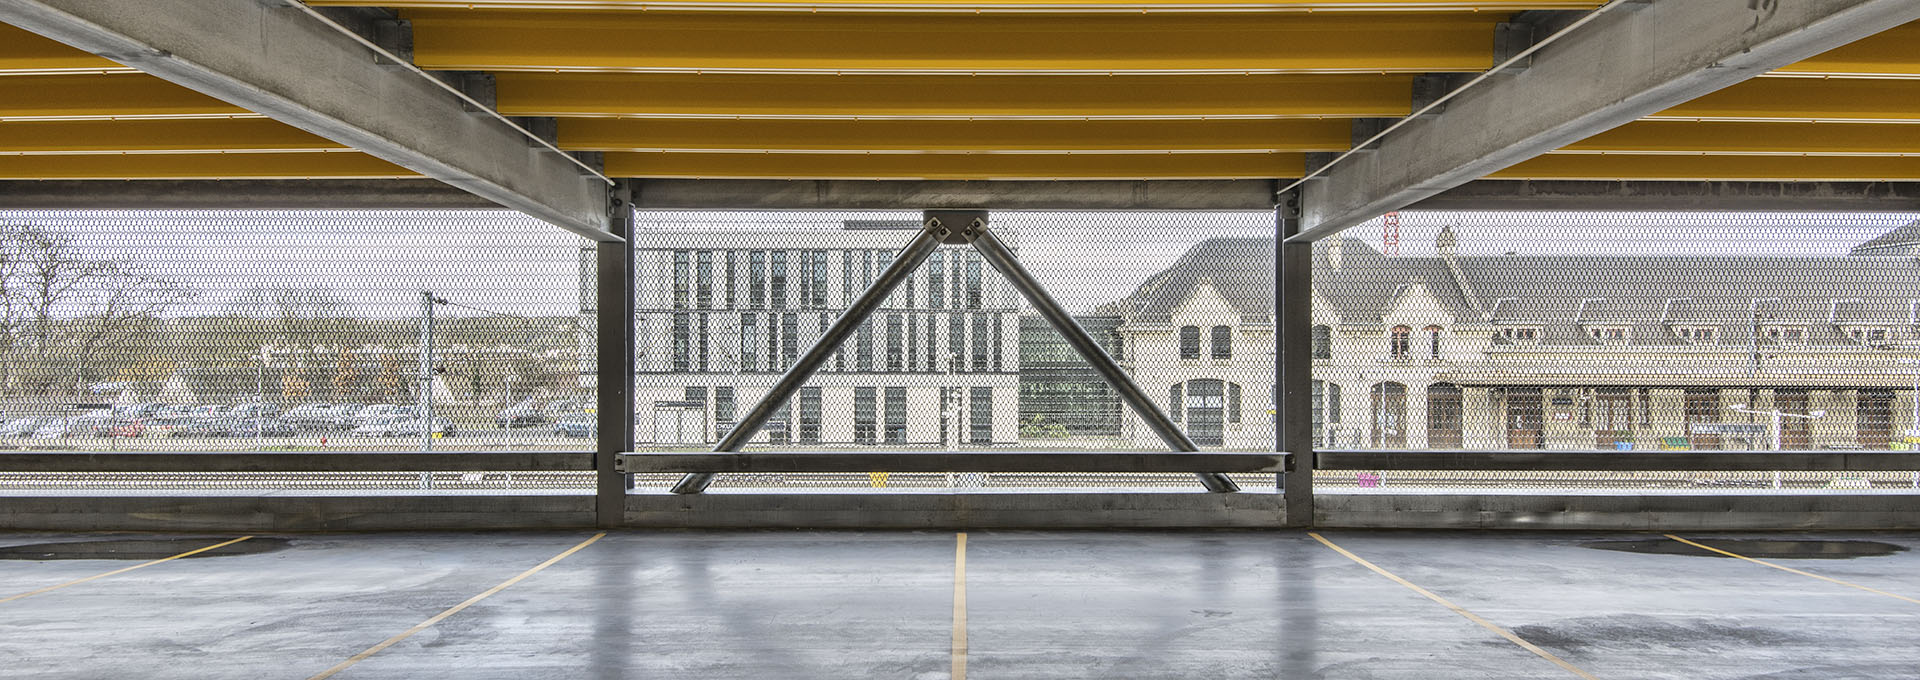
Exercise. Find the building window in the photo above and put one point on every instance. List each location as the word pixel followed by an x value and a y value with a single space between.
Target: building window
pixel 722 411
pixel 703 280
pixel 1399 342
pixel 1786 335
pixel 864 426
pixel 981 418
pixel 1445 416
pixel 731 283
pixel 973 281
pixel 1189 342
pixel 809 415
pixel 956 342
pixel 1326 411
pixel 1222 338
pixel 1875 337
pixel 1389 415
pixel 846 277
pixel 1433 341
pixel 1528 335
pixel 777 282
pixel 702 347
pixel 896 352
pixel 863 347
pixel 1322 342
pixel 779 426
pixel 933 342
pixel 937 281
pixel 1233 403
pixel 789 339
pixel 1206 405
pixel 979 342
pixel 773 342
pixel 757 279
pixel 1612 335
pixel 819 297
pixel 1174 403
pixel 682 341
pixel 896 432
pixel 1699 335
pixel 680 279
pixel 749 343
pixel 913 342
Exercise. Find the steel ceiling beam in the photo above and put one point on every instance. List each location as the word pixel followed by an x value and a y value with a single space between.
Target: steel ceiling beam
pixel 268 165
pixel 271 58
pixel 1649 136
pixel 954 166
pixel 1697 167
pixel 1636 60
pixel 715 134
pixel 951 6
pixel 114 136
pixel 1840 100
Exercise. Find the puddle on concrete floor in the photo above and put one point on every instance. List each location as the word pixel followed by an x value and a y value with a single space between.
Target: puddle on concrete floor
pixel 1757 548
pixel 138 549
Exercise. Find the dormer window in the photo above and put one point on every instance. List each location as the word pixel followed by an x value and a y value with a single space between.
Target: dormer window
pixel 1699 335
pixel 1433 341
pixel 1785 335
pixel 1611 335
pixel 1870 336
pixel 1400 342
pixel 1522 335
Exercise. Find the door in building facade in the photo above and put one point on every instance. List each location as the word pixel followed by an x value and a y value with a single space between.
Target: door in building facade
pixel 1612 418
pixel 1389 416
pixel 1874 418
pixel 1703 406
pixel 1795 433
pixel 1525 418
pixel 1444 415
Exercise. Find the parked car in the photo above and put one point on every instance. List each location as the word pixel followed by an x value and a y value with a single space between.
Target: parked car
pixel 93 424
pixel 254 410
pixel 308 414
pixel 523 414
pixel 127 428
pixel 210 412
pixel 22 427
pixel 410 427
pixel 340 415
pixel 261 427
pixel 372 412
pixel 209 427
pixel 385 426
pixel 57 428
pixel 174 412
pixel 576 425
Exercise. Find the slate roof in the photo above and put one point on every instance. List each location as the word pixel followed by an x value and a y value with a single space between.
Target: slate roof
pixel 1547 291
pixel 1904 240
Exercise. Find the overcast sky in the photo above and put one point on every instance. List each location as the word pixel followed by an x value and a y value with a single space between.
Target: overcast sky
pixel 382 259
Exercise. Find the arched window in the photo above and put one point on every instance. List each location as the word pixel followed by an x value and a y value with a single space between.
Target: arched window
pixel 1189 342
pixel 1222 342
pixel 1399 342
pixel 1433 341
pixel 1322 342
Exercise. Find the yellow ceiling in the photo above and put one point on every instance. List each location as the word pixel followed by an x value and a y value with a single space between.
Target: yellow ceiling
pixel 963 89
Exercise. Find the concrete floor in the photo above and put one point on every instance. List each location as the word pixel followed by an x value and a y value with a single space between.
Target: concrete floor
pixel 1038 605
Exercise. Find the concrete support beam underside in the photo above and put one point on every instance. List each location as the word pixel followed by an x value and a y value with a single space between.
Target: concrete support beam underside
pixel 273 59
pixel 1636 59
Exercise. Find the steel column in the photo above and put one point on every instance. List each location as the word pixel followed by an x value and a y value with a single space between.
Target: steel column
pixel 916 252
pixel 1003 259
pixel 1293 364
pixel 614 367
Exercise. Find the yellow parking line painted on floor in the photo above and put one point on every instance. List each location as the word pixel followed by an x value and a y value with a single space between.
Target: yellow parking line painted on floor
pixel 1792 570
pixel 188 553
pixel 423 625
pixel 1457 609
pixel 960 608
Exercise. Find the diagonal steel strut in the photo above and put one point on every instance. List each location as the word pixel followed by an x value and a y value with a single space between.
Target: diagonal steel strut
pixel 1003 259
pixel 955 227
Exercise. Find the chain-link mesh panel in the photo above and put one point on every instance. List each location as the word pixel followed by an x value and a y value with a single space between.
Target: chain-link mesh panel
pixel 291 331
pixel 1618 332
pixel 955 359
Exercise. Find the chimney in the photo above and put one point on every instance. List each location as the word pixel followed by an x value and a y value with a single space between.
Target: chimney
pixel 1447 243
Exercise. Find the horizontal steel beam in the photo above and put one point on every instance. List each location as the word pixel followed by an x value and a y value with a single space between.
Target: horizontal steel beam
pixel 946 461
pixel 945 509
pixel 891 42
pixel 1635 60
pixel 1680 168
pixel 1837 100
pixel 212 166
pixel 1574 195
pixel 300 194
pixel 986 96
pixel 1727 461
pixel 1711 137
pixel 1733 510
pixel 186 511
pixel 1022 6
pixel 751 134
pixel 273 59
pixel 104 461
pixel 954 166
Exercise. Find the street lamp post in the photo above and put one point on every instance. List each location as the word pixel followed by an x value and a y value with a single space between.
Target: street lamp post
pixel 1777 416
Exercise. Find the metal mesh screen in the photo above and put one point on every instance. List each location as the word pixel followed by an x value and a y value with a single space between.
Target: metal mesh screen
pixel 1618 332
pixel 955 359
pixel 279 332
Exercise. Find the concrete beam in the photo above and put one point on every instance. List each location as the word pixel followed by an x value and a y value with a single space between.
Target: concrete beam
pixel 1632 61
pixel 1570 195
pixel 273 59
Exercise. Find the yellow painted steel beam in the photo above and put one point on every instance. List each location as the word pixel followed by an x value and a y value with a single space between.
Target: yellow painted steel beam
pixel 710 134
pixel 1686 137
pixel 1893 53
pixel 201 166
pixel 1712 168
pixel 1806 99
pixel 982 43
pixel 25 53
pixel 956 166
pixel 105 136
pixel 998 5
pixel 105 96
pixel 824 96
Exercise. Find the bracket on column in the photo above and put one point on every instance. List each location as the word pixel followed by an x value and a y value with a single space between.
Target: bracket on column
pixel 955 227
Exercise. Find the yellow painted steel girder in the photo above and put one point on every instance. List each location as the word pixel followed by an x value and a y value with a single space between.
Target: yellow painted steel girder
pixel 1710 168
pixel 105 96
pixel 867 96
pixel 668 134
pixel 1893 53
pixel 201 166
pixel 956 166
pixel 967 43
pixel 998 5
pixel 1688 137
pixel 1806 99
pixel 24 52
pixel 99 136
